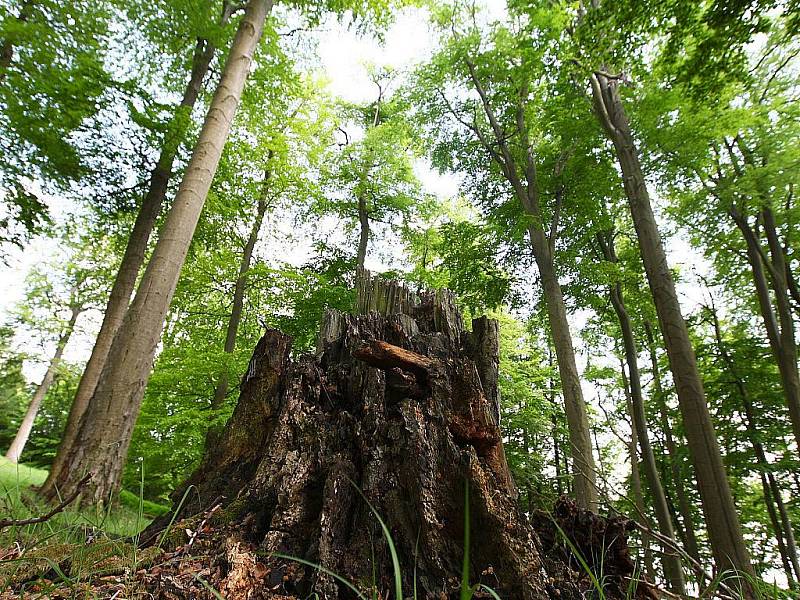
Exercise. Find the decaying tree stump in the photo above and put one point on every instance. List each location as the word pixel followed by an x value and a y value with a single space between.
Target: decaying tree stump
pixel 399 402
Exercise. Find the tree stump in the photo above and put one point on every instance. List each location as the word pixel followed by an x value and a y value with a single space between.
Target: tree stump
pixel 401 403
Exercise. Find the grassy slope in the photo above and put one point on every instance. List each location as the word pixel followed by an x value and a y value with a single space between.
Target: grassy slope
pixel 127 518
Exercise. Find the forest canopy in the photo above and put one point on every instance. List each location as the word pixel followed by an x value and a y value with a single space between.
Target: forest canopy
pixel 614 183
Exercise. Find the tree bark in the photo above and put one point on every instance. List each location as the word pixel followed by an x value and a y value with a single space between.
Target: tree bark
pixel 773 498
pixel 521 174
pixel 724 529
pixel 684 505
pixel 105 431
pixel 221 389
pixel 135 251
pixel 779 327
pixel 26 426
pixel 636 480
pixel 584 469
pixel 671 562
pixel 394 407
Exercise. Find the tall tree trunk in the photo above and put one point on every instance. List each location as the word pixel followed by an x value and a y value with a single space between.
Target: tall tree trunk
pixel 521 174
pixel 636 479
pixel 25 428
pixel 7 47
pixel 221 390
pixel 363 238
pixel 781 524
pixel 724 529
pixel 105 432
pixel 135 251
pixel 554 419
pixel 684 505
pixel 779 327
pixel 584 469
pixel 671 562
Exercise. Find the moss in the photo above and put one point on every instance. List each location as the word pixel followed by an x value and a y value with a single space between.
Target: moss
pixel 76 561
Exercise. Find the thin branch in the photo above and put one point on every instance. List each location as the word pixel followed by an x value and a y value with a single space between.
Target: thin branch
pixel 60 508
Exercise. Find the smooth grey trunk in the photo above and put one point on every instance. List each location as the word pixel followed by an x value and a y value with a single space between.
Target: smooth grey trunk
pixel 26 426
pixel 779 325
pixel 106 428
pixel 636 478
pixel 684 505
pixel 671 562
pixel 719 509
pixel 135 251
pixel 221 389
pixel 773 498
pixel 521 174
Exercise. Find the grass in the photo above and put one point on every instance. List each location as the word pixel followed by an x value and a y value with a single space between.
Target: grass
pixel 17 500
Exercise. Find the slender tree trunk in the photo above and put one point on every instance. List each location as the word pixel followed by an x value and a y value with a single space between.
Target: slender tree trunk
pixel 132 260
pixel 781 524
pixel 636 478
pixel 108 422
pixel 363 239
pixel 584 469
pixel 25 428
pixel 673 571
pixel 221 390
pixel 554 420
pixel 671 562
pixel 780 327
pixel 523 179
pixel 724 529
pixel 788 359
pixel 7 47
pixel 684 505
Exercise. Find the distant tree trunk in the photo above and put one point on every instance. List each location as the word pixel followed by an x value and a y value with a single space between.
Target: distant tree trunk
pixel 521 174
pixel 25 428
pixel 636 480
pixel 673 572
pixel 684 504
pixel 7 46
pixel 779 327
pixel 724 529
pixel 221 390
pixel 105 432
pixel 554 420
pixel 363 238
pixel 779 517
pixel 135 251
pixel 584 468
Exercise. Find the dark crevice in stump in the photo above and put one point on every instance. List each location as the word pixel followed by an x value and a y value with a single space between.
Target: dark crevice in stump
pixel 399 400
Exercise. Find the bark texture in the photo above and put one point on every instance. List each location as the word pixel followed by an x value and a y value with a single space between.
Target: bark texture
pixel 724 529
pixel 135 251
pixel 397 403
pixel 105 431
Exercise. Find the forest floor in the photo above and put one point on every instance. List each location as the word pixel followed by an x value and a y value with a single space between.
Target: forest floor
pixel 100 539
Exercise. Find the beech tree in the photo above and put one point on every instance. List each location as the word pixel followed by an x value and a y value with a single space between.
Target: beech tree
pixel 500 123
pixel 104 433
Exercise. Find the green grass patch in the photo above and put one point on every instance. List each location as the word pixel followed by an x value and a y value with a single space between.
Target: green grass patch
pixel 125 518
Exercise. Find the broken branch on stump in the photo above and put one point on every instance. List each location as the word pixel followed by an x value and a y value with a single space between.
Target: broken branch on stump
pixel 60 508
pixel 388 356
